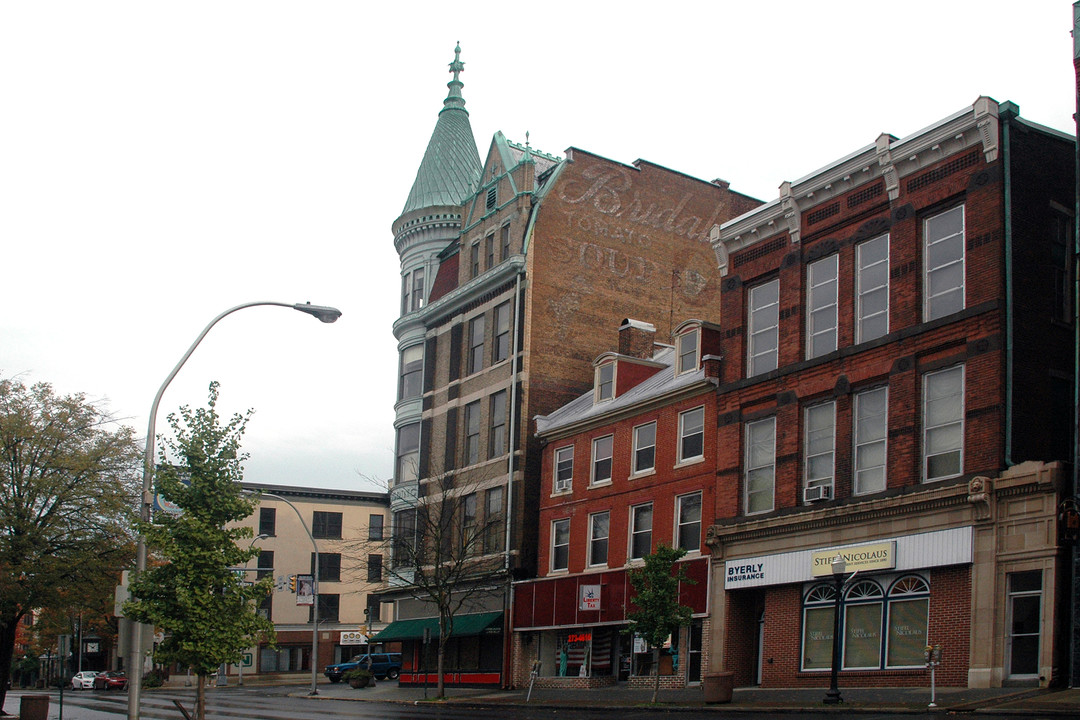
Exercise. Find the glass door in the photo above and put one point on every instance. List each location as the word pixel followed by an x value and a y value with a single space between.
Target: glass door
pixel 1024 620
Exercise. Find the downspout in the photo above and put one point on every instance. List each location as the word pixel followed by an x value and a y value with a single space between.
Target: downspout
pixel 1074 649
pixel 1007 112
pixel 512 442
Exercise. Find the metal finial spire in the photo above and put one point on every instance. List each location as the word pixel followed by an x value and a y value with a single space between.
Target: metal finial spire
pixel 453 98
pixel 457 66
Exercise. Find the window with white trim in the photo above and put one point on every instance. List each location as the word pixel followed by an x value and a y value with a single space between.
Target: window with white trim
pixel 408 453
pixel 764 328
pixel 599 529
pixel 821 306
pixel 418 288
pixel 640 531
pixel 872 289
pixel 644 459
pixel 943 263
pixel 500 346
pixel 943 423
pixel 564 468
pixel 560 544
pixel 692 434
pixel 472 433
pixel 871 431
pixel 819 446
pixel 605 382
pixel 497 429
pixel 760 470
pixel 688 352
pixel 601 459
pixel 412 372
pixel 688 522
pixel 476 344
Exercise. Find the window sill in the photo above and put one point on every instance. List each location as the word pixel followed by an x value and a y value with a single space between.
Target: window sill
pixel 601 484
pixel 560 493
pixel 697 459
pixel 643 473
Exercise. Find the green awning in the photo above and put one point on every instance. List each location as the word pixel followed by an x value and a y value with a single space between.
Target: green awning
pixel 464 625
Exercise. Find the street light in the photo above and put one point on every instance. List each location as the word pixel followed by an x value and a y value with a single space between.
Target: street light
pixel 314 592
pixel 839 565
pixel 324 314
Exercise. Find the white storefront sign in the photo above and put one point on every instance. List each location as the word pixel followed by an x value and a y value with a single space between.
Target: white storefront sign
pixel 909 552
pixel 353 637
pixel 589 597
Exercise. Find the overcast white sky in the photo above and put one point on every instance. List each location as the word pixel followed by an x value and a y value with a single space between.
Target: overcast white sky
pixel 162 162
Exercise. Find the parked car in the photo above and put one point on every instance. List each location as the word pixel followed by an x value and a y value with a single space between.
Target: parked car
pixel 83 680
pixel 112 680
pixel 381 665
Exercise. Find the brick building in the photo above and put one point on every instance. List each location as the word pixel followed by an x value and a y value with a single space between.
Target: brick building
pixel 898 362
pixel 513 269
pixel 626 466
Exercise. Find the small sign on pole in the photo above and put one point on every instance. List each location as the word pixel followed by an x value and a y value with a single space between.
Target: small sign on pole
pixel 305 590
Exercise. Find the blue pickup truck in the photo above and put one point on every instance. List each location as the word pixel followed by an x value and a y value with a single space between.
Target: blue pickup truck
pixel 381 665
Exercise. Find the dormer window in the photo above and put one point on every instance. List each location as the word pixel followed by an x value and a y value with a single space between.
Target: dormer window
pixel 605 382
pixel 688 352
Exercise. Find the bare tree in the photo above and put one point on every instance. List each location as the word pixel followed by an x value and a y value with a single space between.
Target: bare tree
pixel 447 551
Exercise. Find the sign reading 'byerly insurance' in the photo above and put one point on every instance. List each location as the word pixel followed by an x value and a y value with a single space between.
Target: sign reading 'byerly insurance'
pixel 879 556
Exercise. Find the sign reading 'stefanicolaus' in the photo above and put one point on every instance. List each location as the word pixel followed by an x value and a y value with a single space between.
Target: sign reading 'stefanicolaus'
pixel 907 552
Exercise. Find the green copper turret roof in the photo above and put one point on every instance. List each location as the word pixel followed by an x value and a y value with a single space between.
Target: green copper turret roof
pixel 450 170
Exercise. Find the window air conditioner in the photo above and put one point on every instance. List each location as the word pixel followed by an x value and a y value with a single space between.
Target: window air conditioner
pixel 818 492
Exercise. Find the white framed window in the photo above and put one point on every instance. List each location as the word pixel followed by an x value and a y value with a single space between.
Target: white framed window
pixel 644 448
pixel 764 328
pixel 760 472
pixel 476 344
pixel 472 433
pixel 412 373
pixel 497 428
pixel 862 626
pixel 560 545
pixel 871 430
pixel 417 288
pixel 601 459
pixel 408 453
pixel 605 382
pixel 943 263
pixel 500 345
pixel 692 434
pixel 872 289
pixel 599 529
pixel 822 281
pixel 640 531
pixel 819 451
pixel 564 468
pixel 688 522
pixel 943 423
pixel 688 352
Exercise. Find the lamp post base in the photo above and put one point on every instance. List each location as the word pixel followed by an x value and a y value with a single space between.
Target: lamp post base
pixel 832 697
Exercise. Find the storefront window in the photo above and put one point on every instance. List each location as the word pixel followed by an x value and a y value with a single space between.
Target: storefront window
pixel 877 631
pixel 579 652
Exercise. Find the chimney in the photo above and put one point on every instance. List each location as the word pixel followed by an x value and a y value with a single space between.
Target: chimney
pixel 636 338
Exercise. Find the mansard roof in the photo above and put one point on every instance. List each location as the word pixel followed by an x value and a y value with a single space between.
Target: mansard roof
pixel 450 170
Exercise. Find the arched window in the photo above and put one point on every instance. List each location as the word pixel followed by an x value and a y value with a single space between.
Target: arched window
pixel 881 628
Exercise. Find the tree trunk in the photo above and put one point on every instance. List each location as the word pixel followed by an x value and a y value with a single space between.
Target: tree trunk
pixel 656 671
pixel 200 698
pixel 8 628
pixel 440 692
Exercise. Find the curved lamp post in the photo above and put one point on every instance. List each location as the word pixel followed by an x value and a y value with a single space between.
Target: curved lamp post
pixel 324 314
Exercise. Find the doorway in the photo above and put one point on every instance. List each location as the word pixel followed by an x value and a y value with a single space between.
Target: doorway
pixel 1023 621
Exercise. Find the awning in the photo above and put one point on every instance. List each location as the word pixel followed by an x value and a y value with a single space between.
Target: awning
pixel 464 625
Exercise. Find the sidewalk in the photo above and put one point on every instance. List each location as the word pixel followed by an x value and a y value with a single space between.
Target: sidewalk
pixel 902 700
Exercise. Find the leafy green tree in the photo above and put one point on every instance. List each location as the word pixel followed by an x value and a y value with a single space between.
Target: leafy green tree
pixel 207 611
pixel 657 613
pixel 69 476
